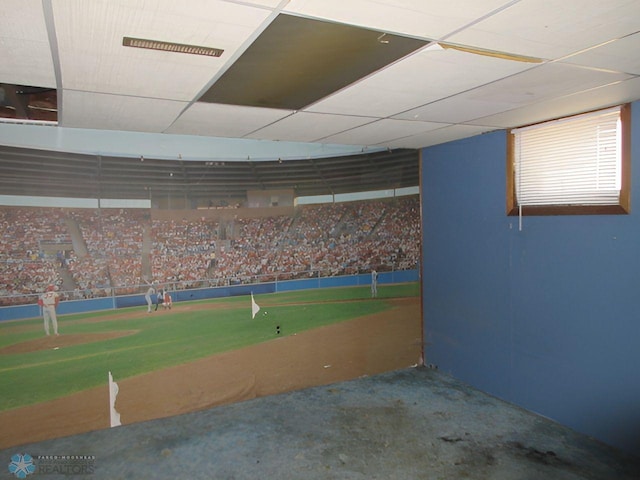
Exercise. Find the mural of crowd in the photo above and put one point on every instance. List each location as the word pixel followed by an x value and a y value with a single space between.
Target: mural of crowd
pixel 96 252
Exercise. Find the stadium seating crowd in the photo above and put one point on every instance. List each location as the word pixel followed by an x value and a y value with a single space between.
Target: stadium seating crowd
pixel 121 249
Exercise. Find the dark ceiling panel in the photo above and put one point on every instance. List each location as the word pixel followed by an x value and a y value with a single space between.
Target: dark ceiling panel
pixel 297 61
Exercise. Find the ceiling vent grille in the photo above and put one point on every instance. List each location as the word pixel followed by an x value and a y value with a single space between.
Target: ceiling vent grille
pixel 171 47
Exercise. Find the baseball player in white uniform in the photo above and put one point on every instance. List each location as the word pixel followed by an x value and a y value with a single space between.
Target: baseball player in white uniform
pixel 49 300
pixel 147 296
pixel 374 283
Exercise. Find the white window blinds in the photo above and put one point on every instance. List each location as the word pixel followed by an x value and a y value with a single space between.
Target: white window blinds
pixel 573 161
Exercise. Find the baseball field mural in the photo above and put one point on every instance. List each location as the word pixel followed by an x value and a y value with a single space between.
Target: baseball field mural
pixel 196 354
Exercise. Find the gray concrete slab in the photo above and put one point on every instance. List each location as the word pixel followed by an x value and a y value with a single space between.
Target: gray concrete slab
pixel 409 424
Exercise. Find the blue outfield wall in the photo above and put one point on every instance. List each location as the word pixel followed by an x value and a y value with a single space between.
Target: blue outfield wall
pixel 19 312
pixel 545 317
pixel 402 276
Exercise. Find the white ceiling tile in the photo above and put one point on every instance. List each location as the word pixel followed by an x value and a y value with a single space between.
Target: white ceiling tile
pixel 441 135
pixel 264 3
pixel 420 18
pixel 613 56
pixel 309 127
pixel 424 77
pixel 614 94
pixel 456 109
pixel 553 28
pixel 93 59
pixel 381 131
pixel 219 120
pixel 545 82
pixel 113 112
pixel 24 45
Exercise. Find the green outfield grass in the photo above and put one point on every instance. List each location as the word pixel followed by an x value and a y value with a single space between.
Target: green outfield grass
pixel 168 338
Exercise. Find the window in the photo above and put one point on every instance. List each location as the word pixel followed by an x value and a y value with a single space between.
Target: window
pixel 571 166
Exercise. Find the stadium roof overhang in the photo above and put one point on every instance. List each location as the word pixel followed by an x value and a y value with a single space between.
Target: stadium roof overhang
pixel 33 172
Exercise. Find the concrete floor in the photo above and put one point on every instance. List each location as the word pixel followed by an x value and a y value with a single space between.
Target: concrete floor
pixel 409 424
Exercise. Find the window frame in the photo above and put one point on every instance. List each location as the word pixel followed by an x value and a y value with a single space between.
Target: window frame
pixel 624 202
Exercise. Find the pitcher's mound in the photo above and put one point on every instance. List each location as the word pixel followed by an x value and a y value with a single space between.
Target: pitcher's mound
pixel 61 341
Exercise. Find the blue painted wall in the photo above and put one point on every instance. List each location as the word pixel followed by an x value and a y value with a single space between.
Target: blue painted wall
pixel 547 317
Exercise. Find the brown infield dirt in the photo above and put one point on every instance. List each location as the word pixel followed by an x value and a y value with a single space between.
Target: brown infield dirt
pixel 368 345
pixel 61 341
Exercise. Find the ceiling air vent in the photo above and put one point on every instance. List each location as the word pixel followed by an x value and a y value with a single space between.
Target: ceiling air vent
pixel 171 47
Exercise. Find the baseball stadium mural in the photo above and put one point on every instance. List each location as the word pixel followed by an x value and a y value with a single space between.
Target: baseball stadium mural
pixel 112 316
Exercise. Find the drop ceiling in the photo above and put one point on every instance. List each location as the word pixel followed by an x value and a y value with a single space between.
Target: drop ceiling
pixel 379 73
